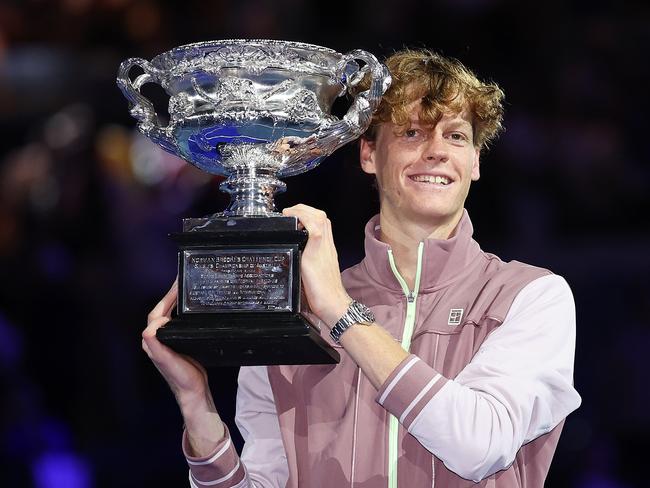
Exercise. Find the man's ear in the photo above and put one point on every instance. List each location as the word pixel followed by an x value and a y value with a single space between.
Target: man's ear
pixel 367 155
pixel 476 172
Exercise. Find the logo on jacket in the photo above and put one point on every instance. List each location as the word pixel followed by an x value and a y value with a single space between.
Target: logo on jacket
pixel 455 316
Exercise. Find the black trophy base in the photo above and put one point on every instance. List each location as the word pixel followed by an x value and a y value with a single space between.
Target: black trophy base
pixel 237 340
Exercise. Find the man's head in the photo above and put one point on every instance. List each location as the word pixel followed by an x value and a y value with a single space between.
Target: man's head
pixel 441 85
pixel 424 141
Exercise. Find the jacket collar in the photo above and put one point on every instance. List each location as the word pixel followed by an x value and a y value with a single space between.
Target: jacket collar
pixel 443 260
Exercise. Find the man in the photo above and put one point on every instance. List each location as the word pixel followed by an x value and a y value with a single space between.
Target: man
pixel 456 368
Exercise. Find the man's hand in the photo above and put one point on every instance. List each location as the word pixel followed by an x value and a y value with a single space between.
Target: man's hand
pixel 187 379
pixel 321 275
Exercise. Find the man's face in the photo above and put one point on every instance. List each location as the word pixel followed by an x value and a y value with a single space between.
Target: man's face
pixel 423 172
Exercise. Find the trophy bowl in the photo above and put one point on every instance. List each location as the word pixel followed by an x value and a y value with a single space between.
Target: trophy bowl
pixel 253 111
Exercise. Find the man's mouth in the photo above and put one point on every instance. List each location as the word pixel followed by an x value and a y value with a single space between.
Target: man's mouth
pixel 438 180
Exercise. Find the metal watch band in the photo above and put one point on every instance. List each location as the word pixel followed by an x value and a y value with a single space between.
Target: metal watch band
pixel 357 313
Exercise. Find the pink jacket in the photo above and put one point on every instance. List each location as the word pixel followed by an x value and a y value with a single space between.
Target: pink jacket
pixel 481 399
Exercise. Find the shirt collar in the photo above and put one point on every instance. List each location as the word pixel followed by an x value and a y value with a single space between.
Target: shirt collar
pixel 443 260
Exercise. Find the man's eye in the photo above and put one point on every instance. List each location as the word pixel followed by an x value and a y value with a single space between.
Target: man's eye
pixel 411 132
pixel 458 136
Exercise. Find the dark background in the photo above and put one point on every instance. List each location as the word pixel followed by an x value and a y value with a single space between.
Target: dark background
pixel 86 204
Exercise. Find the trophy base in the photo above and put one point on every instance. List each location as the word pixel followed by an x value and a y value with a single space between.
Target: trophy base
pixel 248 340
pixel 239 297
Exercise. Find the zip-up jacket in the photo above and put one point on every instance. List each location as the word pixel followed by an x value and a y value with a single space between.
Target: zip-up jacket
pixel 480 400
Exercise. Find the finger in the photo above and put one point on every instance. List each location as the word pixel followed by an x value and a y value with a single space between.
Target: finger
pixel 300 224
pixel 314 220
pixel 171 298
pixel 302 211
pixel 290 212
pixel 301 208
pixel 153 325
pixel 155 349
pixel 164 307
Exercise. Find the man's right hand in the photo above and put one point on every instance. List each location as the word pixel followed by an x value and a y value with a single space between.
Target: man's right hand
pixel 187 379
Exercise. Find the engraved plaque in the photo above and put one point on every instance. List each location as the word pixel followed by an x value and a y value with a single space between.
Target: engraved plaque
pixel 225 280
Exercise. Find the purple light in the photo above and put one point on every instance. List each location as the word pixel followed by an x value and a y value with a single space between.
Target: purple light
pixel 56 469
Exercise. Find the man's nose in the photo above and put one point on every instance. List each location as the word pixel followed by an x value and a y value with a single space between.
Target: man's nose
pixel 435 148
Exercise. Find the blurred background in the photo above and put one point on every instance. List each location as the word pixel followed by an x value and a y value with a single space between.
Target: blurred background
pixel 86 204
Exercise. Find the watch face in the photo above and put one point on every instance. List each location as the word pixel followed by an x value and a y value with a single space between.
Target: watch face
pixel 363 314
pixel 357 313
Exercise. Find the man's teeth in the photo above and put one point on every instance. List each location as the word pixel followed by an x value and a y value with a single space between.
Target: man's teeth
pixel 441 180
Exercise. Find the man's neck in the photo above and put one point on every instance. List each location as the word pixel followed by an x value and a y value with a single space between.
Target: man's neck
pixel 404 236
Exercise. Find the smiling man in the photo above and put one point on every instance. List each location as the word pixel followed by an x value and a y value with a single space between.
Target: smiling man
pixel 456 367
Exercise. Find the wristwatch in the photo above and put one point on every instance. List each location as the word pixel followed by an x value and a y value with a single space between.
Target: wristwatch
pixel 357 313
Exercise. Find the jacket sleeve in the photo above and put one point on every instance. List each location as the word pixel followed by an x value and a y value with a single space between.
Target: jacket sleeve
pixel 518 386
pixel 263 462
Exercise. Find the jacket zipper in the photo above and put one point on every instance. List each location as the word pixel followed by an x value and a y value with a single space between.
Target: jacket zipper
pixel 409 324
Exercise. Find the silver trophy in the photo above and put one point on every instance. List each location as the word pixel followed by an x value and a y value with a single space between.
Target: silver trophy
pixel 254 111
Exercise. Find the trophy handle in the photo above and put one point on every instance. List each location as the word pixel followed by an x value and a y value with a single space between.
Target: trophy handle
pixel 358 117
pixel 355 121
pixel 141 107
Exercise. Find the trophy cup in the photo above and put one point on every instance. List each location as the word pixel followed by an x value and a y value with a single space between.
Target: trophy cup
pixel 253 111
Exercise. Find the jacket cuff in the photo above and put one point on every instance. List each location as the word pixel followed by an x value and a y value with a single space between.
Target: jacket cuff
pixel 409 388
pixel 221 468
